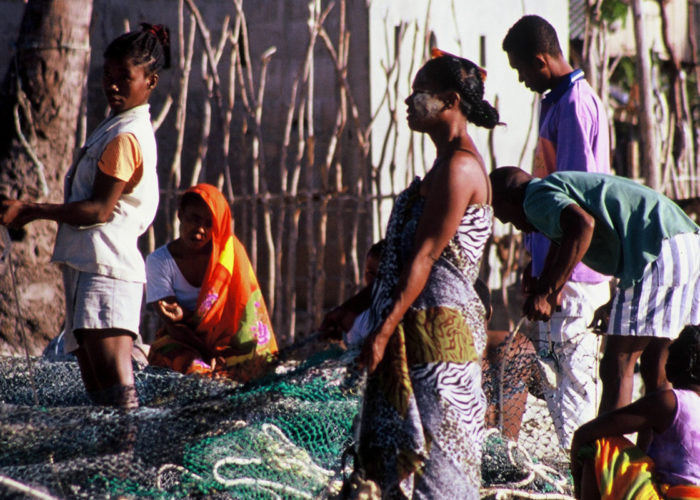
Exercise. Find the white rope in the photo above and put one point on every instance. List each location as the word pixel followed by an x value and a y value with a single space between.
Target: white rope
pixel 27 490
pixel 534 470
pixel 167 467
pixel 543 471
pixel 286 460
pixel 257 483
pixel 279 453
pixel 508 493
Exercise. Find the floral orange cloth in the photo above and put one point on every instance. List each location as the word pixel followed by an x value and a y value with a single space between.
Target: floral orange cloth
pixel 231 317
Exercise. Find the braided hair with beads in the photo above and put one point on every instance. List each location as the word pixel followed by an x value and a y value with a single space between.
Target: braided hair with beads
pixel 467 79
pixel 149 47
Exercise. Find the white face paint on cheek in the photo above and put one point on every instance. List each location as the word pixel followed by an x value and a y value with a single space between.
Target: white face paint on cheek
pixel 426 105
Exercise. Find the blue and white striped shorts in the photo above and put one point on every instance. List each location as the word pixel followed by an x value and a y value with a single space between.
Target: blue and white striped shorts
pixel 667 298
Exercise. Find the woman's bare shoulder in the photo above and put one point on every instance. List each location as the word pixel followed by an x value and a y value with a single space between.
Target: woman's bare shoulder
pixel 467 168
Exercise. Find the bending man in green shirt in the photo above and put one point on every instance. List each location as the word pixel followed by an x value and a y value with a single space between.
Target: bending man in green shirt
pixel 621 228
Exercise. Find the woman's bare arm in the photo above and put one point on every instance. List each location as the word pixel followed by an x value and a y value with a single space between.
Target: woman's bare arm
pixel 97 209
pixel 653 411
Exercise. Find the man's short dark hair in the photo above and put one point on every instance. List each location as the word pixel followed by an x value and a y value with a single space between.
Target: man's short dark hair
pixel 530 36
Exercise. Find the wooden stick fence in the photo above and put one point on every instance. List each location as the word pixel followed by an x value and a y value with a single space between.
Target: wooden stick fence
pixel 307 197
pixel 311 188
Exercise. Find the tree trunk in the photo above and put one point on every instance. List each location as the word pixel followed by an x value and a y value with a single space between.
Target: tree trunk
pixel 650 169
pixel 42 94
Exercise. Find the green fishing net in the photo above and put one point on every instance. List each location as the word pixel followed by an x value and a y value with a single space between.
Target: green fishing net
pixel 280 437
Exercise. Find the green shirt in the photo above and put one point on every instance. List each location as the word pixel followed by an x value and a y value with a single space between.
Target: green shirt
pixel 631 220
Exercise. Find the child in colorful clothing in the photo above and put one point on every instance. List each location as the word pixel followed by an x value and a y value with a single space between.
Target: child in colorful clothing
pixel 204 288
pixel 111 197
pixel 606 465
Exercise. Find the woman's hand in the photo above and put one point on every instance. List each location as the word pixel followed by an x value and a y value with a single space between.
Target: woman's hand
pixel 542 301
pixel 185 335
pixel 374 347
pixel 14 213
pixel 170 311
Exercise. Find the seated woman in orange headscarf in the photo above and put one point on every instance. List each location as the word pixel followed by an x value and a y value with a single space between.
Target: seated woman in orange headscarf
pixel 204 288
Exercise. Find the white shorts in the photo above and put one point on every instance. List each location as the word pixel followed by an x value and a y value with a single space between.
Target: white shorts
pixel 96 302
pixel 667 298
pixel 568 351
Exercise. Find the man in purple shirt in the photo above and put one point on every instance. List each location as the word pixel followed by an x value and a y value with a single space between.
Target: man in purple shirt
pixel 573 135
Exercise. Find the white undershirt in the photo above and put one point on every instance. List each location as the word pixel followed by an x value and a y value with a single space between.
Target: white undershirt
pixel 164 279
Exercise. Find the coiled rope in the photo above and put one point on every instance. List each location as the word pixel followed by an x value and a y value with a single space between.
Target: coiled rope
pixel 534 471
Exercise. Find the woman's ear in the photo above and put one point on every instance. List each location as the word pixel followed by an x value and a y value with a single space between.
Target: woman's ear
pixel 451 99
pixel 153 81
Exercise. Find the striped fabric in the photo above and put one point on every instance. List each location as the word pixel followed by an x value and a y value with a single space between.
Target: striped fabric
pixel 666 298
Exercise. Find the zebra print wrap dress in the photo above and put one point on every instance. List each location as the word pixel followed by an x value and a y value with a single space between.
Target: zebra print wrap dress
pixel 422 422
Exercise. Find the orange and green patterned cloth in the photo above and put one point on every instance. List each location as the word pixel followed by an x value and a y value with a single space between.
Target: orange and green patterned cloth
pixel 231 317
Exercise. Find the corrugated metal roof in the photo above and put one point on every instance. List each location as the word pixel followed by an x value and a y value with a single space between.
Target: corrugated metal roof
pixel 577 19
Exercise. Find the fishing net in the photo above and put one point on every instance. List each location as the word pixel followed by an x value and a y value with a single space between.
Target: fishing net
pixel 280 437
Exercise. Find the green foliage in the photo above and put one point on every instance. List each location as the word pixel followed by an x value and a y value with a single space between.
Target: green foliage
pixel 625 73
pixel 614 10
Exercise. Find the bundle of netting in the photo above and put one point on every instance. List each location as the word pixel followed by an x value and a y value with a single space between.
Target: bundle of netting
pixel 283 436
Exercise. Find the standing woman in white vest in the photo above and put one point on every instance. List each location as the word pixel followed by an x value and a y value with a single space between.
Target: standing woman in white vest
pixel 111 197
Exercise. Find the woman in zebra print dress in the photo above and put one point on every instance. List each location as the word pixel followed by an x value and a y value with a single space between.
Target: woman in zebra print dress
pixel 423 413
